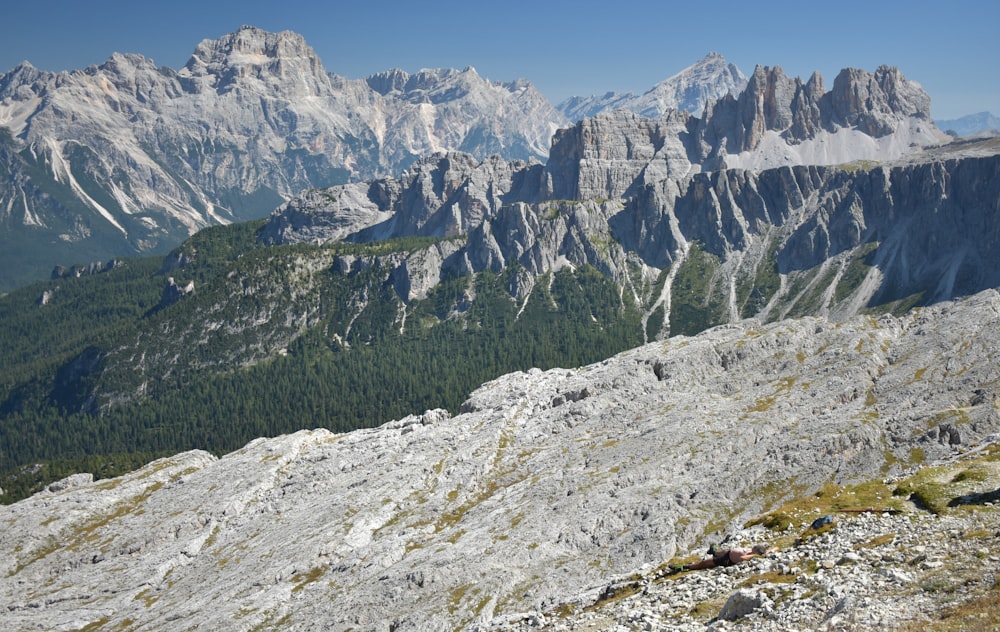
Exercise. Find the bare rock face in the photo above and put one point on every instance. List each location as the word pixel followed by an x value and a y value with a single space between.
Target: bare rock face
pixel 275 63
pixel 446 194
pixel 323 215
pixel 807 116
pixel 604 156
pixel 173 293
pixel 874 102
pixel 766 104
pixel 546 485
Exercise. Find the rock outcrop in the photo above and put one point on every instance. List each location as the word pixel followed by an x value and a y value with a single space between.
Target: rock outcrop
pixel 173 293
pixel 546 485
pixel 609 155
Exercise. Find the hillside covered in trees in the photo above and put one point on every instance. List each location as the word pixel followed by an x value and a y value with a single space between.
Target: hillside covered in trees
pixel 352 366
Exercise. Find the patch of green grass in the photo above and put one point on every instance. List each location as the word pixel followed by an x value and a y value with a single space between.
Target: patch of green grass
pixel 975 615
pixel 830 499
pixel 632 586
pixel 147 597
pixel 877 541
pixel 900 306
pixel 562 611
pixel 94 626
pixel 936 489
pixel 809 290
pixel 765 403
pixel 770 577
pixel 762 404
pixel 304 579
pixel 776 521
pixel 857 269
pixel 458 594
pixel 976 474
pixel 858 165
pixel 708 609
pixel 938 584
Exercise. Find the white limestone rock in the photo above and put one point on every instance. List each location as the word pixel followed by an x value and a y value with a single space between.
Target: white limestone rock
pixel 743 602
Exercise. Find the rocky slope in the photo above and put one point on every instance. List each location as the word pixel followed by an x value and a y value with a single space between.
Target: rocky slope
pixel 546 486
pixel 871 570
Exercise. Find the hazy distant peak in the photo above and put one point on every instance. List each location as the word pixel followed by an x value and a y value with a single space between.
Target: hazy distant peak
pixel 978 123
pixel 710 78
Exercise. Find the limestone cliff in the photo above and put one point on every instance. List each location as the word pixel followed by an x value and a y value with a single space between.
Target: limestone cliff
pixel 791 240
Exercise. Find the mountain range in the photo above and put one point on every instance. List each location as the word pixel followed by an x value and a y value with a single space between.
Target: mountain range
pixel 443 387
pixel 128 158
pixel 617 240
pixel 786 200
pixel 981 123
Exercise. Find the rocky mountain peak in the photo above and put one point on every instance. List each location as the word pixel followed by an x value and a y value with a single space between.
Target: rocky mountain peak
pixel 781 120
pixel 602 156
pixel 254 56
pixel 447 194
pixel 875 102
pixel 981 124
pixel 712 77
pixel 767 102
pixel 392 80
pixel 689 90
pixel 20 87
pixel 249 42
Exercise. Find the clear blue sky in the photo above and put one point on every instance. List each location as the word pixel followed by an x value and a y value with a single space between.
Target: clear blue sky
pixel 564 48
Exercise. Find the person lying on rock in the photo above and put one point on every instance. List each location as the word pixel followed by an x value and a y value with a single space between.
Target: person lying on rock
pixel 720 555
